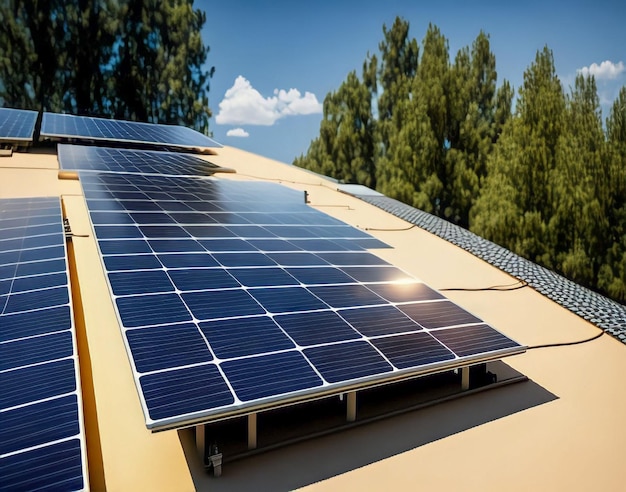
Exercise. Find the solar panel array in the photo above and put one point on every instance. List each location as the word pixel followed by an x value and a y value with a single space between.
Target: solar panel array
pixel 106 159
pixel 42 443
pixel 88 129
pixel 236 296
pixel 17 125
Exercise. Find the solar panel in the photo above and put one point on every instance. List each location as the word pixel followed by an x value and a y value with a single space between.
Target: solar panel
pixel 65 127
pixel 235 296
pixel 147 162
pixel 42 443
pixel 17 125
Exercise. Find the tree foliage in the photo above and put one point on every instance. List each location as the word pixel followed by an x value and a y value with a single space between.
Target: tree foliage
pixel 132 59
pixel 540 175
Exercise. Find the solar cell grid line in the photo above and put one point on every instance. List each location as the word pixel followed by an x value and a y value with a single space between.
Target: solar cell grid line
pixel 39 363
pixel 145 162
pixel 222 315
pixel 65 127
pixel 17 125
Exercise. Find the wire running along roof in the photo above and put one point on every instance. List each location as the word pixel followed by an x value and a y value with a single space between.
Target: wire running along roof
pixel 65 127
pixel 39 363
pixel 236 296
pixel 17 125
pixel 603 312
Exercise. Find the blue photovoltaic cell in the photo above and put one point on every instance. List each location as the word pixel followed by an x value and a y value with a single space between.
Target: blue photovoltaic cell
pixel 26 351
pixel 279 299
pixel 39 282
pixel 339 296
pixel 412 349
pixel 106 159
pixel 473 340
pixel 221 304
pixel 208 231
pixel 376 321
pixel 124 247
pixel 17 125
pixel 188 260
pixel 287 299
pixel 239 337
pixel 263 277
pixel 30 384
pixel 202 279
pixel 438 314
pixel 320 275
pixel 84 128
pixel 352 259
pixel 405 292
pixel 58 466
pixel 380 274
pixel 188 219
pixel 175 246
pixel 184 391
pixel 274 245
pixel 40 395
pixel 244 259
pixel 168 346
pixel 152 310
pixel 34 323
pixel 254 378
pixel 40 423
pixel 315 328
pixel 118 232
pixel 140 282
pixel 347 361
pixel 130 262
pixel 297 259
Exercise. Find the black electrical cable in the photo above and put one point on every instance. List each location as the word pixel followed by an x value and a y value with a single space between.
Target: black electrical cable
pixel 501 288
pixel 390 230
pixel 567 344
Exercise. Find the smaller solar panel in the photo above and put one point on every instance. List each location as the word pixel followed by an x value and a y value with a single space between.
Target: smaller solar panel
pixel 65 127
pixel 146 162
pixel 17 125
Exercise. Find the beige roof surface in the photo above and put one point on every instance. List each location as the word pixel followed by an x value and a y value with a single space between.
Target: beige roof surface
pixel 562 430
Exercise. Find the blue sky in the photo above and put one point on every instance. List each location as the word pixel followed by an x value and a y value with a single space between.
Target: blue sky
pixel 276 60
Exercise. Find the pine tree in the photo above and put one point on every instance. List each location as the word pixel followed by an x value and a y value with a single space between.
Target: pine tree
pixel 131 59
pixel 345 147
pixel 612 275
pixel 522 166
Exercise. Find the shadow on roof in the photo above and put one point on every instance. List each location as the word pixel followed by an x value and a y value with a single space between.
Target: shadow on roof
pixel 314 460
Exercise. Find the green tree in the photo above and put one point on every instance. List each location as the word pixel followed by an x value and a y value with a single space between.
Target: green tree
pixel 471 126
pixel 345 146
pixel 612 275
pixel 516 203
pixel 88 23
pixel 32 54
pixel 134 59
pixel 578 227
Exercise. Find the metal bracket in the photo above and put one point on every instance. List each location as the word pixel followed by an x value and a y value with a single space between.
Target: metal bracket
pixel 6 151
pixel 215 461
pixel 67 229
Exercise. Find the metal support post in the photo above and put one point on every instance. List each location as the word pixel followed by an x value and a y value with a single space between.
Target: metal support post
pixel 465 378
pixel 351 407
pixel 252 432
pixel 201 442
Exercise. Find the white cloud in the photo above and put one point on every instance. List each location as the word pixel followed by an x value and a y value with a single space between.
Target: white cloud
pixel 244 105
pixel 237 132
pixel 607 70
